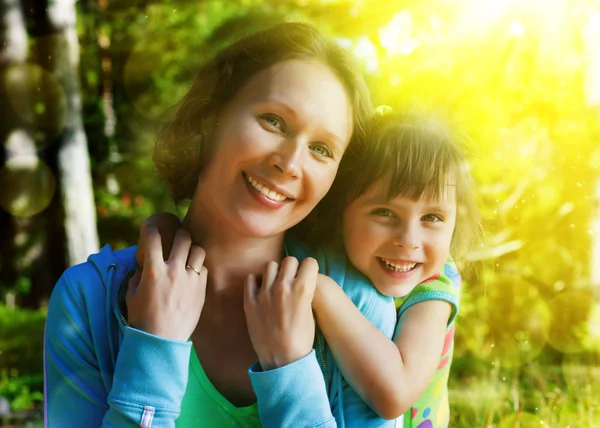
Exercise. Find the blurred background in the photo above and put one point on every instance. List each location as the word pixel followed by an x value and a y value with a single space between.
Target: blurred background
pixel 84 87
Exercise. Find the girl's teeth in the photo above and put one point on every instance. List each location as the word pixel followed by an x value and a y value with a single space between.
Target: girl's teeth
pixel 271 194
pixel 399 268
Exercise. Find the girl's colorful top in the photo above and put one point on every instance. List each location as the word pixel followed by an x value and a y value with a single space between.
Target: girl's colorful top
pixel 432 408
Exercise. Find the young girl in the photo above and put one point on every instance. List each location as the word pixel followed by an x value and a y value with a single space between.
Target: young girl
pixel 405 206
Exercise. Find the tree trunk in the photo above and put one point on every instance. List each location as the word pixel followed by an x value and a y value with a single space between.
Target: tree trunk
pixel 21 238
pixel 56 49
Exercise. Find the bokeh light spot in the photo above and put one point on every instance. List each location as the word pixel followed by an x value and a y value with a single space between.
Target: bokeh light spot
pixel 38 99
pixel 571 315
pixel 512 323
pixel 27 185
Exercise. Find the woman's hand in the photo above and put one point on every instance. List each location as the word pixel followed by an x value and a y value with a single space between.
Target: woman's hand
pixel 167 225
pixel 279 314
pixel 169 295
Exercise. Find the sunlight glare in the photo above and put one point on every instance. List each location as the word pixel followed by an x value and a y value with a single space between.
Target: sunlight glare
pixel 397 38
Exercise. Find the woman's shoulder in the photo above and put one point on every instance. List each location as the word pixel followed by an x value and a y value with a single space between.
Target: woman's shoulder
pixel 95 278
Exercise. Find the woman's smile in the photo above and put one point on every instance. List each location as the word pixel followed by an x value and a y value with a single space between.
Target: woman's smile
pixel 265 193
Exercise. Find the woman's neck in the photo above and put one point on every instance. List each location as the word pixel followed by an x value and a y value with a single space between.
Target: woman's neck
pixel 230 258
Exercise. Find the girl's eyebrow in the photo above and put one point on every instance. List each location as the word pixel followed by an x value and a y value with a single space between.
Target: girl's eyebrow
pixel 382 199
pixel 440 208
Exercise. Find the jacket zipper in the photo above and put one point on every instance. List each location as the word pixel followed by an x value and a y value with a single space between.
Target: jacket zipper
pixel 321 346
pixel 125 280
pixel 122 317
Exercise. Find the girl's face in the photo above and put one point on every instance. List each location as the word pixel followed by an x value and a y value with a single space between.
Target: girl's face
pixel 277 147
pixel 401 242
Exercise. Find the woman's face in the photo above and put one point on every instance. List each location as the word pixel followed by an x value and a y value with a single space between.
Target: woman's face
pixel 277 147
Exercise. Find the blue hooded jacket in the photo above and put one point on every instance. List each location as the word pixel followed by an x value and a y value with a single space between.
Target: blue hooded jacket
pixel 100 372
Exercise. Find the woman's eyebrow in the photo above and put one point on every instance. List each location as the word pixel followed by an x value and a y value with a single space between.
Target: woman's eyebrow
pixel 281 105
pixel 294 115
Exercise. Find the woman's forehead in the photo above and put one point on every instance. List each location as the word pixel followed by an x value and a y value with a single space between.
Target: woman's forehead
pixel 308 90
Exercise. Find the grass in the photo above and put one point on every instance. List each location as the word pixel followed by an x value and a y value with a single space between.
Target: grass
pixel 534 395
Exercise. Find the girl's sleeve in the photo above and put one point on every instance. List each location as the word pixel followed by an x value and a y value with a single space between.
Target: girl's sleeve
pixel 150 373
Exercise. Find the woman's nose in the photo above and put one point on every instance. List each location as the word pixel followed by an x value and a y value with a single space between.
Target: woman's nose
pixel 288 158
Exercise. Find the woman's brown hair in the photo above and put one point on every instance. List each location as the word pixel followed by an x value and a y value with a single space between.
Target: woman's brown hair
pixel 182 147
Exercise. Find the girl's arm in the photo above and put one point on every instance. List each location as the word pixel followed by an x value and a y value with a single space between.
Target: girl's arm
pixel 390 376
pixel 297 391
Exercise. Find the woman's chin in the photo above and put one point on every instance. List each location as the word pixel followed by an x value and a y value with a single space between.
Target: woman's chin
pixel 259 226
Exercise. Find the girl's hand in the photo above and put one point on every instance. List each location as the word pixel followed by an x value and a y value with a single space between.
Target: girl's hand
pixel 278 312
pixel 169 297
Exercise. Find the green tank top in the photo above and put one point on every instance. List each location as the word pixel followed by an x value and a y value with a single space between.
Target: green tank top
pixel 204 406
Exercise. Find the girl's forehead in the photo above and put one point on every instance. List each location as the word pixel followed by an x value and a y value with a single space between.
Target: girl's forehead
pixel 383 191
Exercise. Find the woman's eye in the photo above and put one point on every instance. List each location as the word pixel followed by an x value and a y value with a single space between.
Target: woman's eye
pixel 273 121
pixel 383 212
pixel 322 150
pixel 432 217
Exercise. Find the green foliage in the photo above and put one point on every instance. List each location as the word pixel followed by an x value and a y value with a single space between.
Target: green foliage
pixel 22 392
pixel 21 333
pixel 531 396
pixel 21 352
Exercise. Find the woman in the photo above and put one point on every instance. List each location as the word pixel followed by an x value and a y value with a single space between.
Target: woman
pixel 255 144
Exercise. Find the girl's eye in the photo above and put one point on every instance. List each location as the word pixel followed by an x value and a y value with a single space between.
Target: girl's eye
pixel 432 217
pixel 322 150
pixel 383 212
pixel 274 121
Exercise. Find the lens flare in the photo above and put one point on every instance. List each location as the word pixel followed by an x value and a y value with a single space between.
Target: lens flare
pixel 38 99
pixel 27 185
pixel 571 316
pixel 512 322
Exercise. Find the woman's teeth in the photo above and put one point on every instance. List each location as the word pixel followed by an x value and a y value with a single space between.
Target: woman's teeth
pixel 398 267
pixel 271 194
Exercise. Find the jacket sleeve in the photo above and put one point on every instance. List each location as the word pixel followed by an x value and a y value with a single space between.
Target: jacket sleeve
pixel 295 395
pixel 150 373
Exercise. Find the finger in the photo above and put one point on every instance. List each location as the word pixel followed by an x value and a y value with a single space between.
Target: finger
pixel 288 270
pixel 151 246
pixel 167 224
pixel 196 258
pixel 132 286
pixel 307 274
pixel 200 296
pixel 181 248
pixel 139 256
pixel 250 291
pixel 269 276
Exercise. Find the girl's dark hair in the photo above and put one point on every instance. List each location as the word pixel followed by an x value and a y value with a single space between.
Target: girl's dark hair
pixel 416 155
pixel 182 147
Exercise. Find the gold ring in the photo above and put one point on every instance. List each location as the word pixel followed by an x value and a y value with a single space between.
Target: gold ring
pixel 192 268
